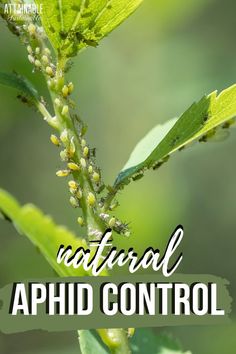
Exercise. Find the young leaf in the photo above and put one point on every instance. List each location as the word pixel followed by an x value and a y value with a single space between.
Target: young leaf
pixel 41 231
pixel 91 343
pixel 72 25
pixel 145 341
pixel 21 84
pixel 199 122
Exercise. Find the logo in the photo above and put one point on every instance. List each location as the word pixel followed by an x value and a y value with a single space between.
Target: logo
pixel 22 11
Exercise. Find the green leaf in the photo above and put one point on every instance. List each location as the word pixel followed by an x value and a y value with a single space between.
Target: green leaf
pixel 41 231
pixel 144 341
pixel 204 119
pixel 72 25
pixel 91 343
pixel 21 84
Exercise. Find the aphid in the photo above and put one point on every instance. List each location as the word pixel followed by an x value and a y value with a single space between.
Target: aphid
pixel 37 50
pixel 65 110
pixel 47 51
pixel 112 222
pixel 131 332
pixel 23 99
pixel 71 149
pixel 64 155
pixel 96 177
pixel 138 176
pixel 228 124
pixel 49 71
pixel 73 202
pixel 79 193
pixel 45 59
pixel 63 34
pixel 31 59
pixel 65 91
pixel 70 87
pixel 54 139
pixel 114 205
pixel 91 200
pixel 50 83
pixel 174 141
pixel 57 102
pixel 83 142
pixel 73 166
pixel 90 169
pixel 29 49
pixel 83 162
pixel 85 151
pixel 31 29
pixel 51 29
pixel 73 185
pixel 62 173
pixel 80 221
pixel 37 63
pixel 157 165
pixel 64 136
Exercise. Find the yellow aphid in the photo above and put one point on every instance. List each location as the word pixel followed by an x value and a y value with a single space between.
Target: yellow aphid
pixel 54 139
pixel 83 162
pixel 57 102
pixel 49 71
pixel 91 199
pixel 65 91
pixel 62 173
pixel 45 59
pixel 79 194
pixel 112 222
pixel 86 151
pixel 65 110
pixel 90 169
pixel 80 221
pixel 37 63
pixel 47 51
pixel 72 184
pixel 96 177
pixel 29 49
pixel 31 29
pixel 83 142
pixel 71 149
pixel 73 202
pixel 72 191
pixel 70 87
pixel 73 166
pixel 64 136
pixel 31 59
pixel 131 332
pixel 64 155
pixel 37 50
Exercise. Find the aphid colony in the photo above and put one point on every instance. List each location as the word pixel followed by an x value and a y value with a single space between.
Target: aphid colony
pixel 79 158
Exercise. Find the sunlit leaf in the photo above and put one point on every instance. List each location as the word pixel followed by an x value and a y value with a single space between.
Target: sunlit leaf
pixel 41 231
pixel 72 25
pixel 200 122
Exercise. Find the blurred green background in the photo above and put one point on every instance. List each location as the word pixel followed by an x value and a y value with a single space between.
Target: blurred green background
pixel 167 55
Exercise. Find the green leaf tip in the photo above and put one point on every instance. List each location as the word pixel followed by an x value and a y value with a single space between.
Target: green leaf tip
pixel 21 84
pixel 72 25
pixel 41 231
pixel 200 122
